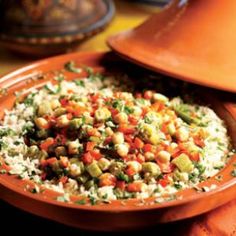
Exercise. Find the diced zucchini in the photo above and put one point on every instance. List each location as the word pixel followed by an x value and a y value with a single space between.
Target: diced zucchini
pixel 171 129
pixel 186 116
pixel 76 123
pixel 59 111
pixel 44 109
pixel 152 168
pixel 76 168
pixel 60 151
pixel 94 170
pixel 104 164
pixel 42 133
pixel 102 114
pixel 82 179
pixel 183 163
pixel 33 151
pixel 160 97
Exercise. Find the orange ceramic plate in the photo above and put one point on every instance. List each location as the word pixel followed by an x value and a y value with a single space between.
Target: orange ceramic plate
pixel 190 40
pixel 118 215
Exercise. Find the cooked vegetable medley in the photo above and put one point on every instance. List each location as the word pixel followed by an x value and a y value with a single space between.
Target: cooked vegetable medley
pixel 93 137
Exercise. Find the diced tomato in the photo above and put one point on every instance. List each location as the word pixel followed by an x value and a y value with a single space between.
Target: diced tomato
pixel 96 154
pixel 51 160
pixel 133 120
pixel 148 94
pixel 87 158
pixel 79 110
pixel 138 143
pixel 195 156
pixel 166 167
pixel 90 146
pixel 69 116
pixel 94 97
pixel 47 143
pixel 147 147
pixel 199 142
pixel 135 187
pixel 64 162
pixel 168 137
pixel 43 163
pixel 114 112
pixel 129 139
pixel 60 139
pixel 158 106
pixel 130 171
pixel 163 182
pixel 138 95
pixel 64 101
pixel 164 128
pixel 126 129
pixel 70 91
pixel 93 132
pixel 121 185
pixel 145 110
pixel 63 179
pixel 107 140
pixel 43 176
pixel 140 158
pixel 107 179
pixel 70 109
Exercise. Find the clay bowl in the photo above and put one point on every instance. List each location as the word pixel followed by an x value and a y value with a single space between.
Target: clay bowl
pixel 50 27
pixel 118 215
pixel 190 40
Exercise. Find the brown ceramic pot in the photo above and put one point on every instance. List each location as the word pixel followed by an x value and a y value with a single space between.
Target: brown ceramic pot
pixel 44 27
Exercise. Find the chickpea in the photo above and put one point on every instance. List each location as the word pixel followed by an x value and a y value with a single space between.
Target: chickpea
pixel 63 121
pixel 182 134
pixel 118 138
pixel 163 156
pixel 121 118
pixel 41 123
pixel 55 104
pixel 122 149
pixel 135 166
pixel 109 131
pixel 73 147
pixel 137 111
pixel 149 156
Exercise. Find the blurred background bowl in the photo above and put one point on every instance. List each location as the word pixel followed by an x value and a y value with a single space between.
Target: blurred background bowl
pixel 46 27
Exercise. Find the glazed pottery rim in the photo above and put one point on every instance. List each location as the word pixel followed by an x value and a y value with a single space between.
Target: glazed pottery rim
pixel 104 207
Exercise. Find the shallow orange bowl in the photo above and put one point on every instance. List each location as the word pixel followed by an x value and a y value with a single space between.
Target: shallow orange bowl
pixel 118 215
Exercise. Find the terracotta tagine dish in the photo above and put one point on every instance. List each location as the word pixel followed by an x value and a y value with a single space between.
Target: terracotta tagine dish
pixel 190 40
pixel 47 27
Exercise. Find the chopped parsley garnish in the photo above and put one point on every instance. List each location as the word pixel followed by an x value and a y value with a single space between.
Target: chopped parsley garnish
pixel 128 110
pixel 124 177
pixel 70 66
pixel 233 173
pixel 3 172
pixel 62 198
pixel 79 83
pixel 59 77
pixel 53 89
pixel 178 186
pixel 81 202
pixel 92 200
